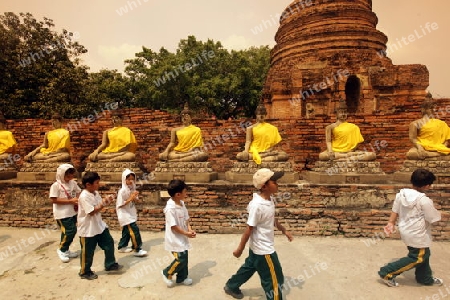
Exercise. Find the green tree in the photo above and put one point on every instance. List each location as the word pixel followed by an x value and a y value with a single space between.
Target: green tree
pixel 40 69
pixel 209 77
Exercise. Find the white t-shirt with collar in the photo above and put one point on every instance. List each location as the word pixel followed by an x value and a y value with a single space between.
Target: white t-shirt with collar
pixel 261 216
pixel 58 190
pixel 176 215
pixel 89 226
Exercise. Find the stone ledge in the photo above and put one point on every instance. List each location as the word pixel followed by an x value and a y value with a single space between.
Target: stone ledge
pixel 251 167
pixel 40 167
pixel 183 167
pixel 344 167
pixel 112 171
pixel 346 178
pixel 434 164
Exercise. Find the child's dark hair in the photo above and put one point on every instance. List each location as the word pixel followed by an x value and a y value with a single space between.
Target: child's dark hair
pixel 422 177
pixel 70 171
pixel 90 177
pixel 176 186
pixel 131 174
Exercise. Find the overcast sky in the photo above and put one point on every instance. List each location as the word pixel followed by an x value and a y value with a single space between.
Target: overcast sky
pixel 113 30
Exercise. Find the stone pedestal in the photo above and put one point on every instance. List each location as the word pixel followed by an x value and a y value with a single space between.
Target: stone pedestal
pixel 335 172
pixel 242 172
pixel 187 171
pixel 39 171
pixel 112 171
pixel 8 171
pixel 439 167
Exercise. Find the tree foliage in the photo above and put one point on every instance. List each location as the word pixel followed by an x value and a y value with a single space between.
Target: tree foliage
pixel 209 77
pixel 39 68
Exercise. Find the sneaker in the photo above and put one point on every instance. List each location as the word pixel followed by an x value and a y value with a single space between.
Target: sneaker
pixel 140 253
pixel 114 267
pixel 187 281
pixel 390 282
pixel 62 256
pixel 169 282
pixel 125 250
pixel 71 254
pixel 437 281
pixel 89 276
pixel 236 295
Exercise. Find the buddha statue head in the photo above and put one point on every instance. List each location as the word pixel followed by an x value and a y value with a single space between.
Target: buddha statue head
pixel 341 111
pixel 186 115
pixel 260 112
pixel 117 118
pixel 57 120
pixel 428 106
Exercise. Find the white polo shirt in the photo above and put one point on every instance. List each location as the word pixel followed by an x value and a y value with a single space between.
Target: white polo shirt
pixel 176 215
pixel 89 226
pixel 261 216
pixel 61 211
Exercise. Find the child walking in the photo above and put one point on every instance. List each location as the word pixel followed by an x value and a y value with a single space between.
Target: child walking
pixel 127 215
pixel 92 229
pixel 415 214
pixel 262 257
pixel 178 230
pixel 64 196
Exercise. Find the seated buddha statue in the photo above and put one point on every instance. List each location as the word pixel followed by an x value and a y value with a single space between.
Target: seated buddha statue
pixel 118 143
pixel 186 142
pixel 7 142
pixel 428 135
pixel 56 145
pixel 342 138
pixel 260 140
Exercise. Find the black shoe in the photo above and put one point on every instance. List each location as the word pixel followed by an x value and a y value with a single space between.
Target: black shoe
pixel 236 295
pixel 114 267
pixel 89 276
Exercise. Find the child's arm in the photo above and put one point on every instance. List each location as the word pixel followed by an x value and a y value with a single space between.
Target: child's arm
pixel 390 227
pixel 64 201
pixel 244 240
pixel 178 229
pixel 132 197
pixel 283 230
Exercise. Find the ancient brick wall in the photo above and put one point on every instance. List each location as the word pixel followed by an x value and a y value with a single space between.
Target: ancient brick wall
pixel 306 209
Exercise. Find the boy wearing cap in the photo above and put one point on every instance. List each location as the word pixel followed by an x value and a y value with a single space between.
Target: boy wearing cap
pixel 260 231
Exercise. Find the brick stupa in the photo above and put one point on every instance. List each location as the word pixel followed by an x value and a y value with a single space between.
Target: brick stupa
pixel 331 50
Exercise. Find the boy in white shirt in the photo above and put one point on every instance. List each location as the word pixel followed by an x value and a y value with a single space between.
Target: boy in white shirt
pixel 91 228
pixel 64 196
pixel 178 230
pixel 415 213
pixel 127 215
pixel 260 231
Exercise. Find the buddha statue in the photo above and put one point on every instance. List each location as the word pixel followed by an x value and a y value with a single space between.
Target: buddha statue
pixel 260 140
pixel 186 142
pixel 118 143
pixel 56 145
pixel 7 142
pixel 428 135
pixel 342 138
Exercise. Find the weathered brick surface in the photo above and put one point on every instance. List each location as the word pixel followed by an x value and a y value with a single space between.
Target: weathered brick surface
pixel 348 210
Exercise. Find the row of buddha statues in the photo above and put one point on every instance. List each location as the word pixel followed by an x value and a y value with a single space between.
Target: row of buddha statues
pixel 428 135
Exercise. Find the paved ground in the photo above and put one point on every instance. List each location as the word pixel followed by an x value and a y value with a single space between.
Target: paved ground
pixel 314 268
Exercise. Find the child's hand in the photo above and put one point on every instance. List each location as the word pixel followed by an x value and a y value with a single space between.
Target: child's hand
pixel 191 234
pixel 389 229
pixel 134 195
pixel 237 253
pixel 74 200
pixel 289 236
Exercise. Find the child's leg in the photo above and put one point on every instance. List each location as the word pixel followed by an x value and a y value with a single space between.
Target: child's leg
pixel 135 234
pixel 178 264
pixel 183 272
pixel 243 274
pixel 424 275
pixel 415 257
pixel 125 237
pixel 106 242
pixel 68 231
pixel 88 245
pixel 271 275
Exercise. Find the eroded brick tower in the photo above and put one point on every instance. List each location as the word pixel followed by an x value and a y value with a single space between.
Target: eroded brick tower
pixel 330 50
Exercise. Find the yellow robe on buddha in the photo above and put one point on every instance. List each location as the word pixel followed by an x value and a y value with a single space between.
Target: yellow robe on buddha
pixel 57 139
pixel 188 138
pixel 119 138
pixel 6 141
pixel 346 136
pixel 433 135
pixel 265 136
